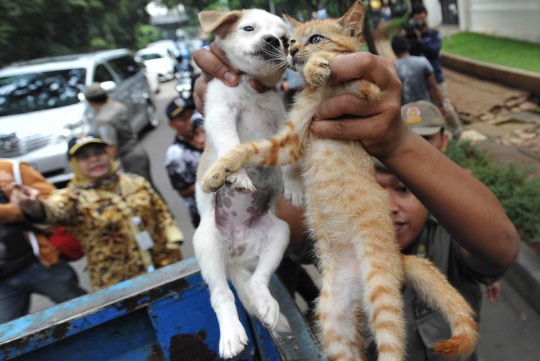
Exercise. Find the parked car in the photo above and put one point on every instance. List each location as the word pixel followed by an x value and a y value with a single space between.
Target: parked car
pixel 41 105
pixel 158 60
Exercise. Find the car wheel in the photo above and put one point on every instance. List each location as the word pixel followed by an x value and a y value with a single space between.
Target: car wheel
pixel 151 115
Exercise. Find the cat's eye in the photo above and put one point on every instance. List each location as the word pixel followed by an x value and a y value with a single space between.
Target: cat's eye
pixel 292 41
pixel 316 39
pixel 248 28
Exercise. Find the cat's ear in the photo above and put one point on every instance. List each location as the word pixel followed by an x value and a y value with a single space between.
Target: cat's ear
pixel 294 23
pixel 353 20
pixel 218 22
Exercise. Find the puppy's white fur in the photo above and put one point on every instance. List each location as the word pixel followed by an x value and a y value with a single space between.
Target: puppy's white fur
pixel 239 236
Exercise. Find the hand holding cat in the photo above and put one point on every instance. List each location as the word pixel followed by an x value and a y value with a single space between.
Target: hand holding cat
pixel 378 126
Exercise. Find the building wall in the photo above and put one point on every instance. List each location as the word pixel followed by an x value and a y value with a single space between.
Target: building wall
pixel 518 19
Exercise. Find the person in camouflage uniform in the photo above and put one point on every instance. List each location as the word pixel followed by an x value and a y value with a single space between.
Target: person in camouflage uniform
pixel 108 212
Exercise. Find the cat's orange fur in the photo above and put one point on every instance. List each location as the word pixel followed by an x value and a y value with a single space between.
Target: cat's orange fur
pixel 348 214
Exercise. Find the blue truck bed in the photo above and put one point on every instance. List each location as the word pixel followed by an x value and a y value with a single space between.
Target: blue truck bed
pixel 163 315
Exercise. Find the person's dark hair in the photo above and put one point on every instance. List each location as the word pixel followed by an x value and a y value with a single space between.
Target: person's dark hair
pixel 418 9
pixel 400 44
pixel 100 99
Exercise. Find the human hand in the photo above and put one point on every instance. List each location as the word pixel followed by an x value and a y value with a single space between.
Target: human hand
pixel 445 113
pixel 378 126
pixel 493 292
pixel 214 64
pixel 25 198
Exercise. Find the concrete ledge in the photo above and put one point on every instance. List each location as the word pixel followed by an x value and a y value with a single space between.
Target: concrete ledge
pixel 525 80
pixel 524 275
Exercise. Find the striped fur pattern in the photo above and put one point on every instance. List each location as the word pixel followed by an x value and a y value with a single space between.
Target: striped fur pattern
pixel 347 213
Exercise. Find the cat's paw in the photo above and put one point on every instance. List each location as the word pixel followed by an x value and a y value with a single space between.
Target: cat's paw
pixel 214 178
pixel 293 192
pixel 239 182
pixel 266 306
pixel 233 339
pixel 317 71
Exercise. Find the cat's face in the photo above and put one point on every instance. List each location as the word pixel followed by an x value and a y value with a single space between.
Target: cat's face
pixel 332 35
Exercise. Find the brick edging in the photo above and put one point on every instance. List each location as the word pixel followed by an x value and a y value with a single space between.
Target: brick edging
pixel 526 80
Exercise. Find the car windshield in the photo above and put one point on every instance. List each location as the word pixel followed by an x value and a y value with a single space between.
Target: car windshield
pixel 151 56
pixel 26 93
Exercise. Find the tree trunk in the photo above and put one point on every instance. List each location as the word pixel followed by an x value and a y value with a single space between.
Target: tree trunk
pixel 368 37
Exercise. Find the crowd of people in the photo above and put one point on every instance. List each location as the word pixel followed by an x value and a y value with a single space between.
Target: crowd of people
pixel 112 213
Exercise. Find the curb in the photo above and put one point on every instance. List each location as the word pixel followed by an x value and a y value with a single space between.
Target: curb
pixel 524 276
pixel 517 78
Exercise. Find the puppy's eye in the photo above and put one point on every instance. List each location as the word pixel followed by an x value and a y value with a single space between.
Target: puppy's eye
pixel 248 28
pixel 316 39
pixel 285 42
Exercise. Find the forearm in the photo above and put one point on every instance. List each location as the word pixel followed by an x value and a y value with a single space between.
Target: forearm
pixel 10 214
pixel 113 151
pixel 188 191
pixel 465 207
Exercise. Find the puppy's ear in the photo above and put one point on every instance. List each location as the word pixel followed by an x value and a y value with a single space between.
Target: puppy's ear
pixel 353 20
pixel 294 23
pixel 218 22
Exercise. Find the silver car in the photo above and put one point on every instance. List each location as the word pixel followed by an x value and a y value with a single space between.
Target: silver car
pixel 41 105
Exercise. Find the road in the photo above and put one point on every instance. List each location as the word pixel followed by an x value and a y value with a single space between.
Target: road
pixel 510 329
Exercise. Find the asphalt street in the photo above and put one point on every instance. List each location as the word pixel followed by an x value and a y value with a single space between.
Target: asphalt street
pixel 510 329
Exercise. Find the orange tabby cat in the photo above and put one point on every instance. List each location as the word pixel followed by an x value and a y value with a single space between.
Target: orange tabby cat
pixel 348 212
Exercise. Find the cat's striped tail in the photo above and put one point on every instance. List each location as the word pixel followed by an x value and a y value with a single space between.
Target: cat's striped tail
pixel 435 289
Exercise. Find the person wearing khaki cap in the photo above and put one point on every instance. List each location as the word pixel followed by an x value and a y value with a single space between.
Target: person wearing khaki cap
pixel 113 125
pixel 426 120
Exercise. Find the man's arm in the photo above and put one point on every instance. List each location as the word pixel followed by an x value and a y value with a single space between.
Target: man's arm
pixel 187 192
pixel 431 46
pixel 435 90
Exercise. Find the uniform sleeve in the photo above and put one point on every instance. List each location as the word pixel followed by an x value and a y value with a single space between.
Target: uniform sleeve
pixel 108 133
pixel 469 272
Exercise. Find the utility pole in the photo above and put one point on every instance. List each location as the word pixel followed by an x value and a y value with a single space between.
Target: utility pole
pixel 272 7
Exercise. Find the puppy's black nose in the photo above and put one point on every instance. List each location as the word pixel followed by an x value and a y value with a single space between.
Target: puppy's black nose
pixel 272 40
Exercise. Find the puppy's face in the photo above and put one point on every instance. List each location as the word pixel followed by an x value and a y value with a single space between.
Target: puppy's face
pixel 255 41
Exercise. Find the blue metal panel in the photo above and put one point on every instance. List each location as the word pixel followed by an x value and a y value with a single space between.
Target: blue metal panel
pixel 164 315
pixel 186 325
pixel 127 338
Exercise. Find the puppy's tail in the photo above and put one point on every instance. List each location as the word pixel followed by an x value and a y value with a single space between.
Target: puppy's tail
pixel 239 277
pixel 435 289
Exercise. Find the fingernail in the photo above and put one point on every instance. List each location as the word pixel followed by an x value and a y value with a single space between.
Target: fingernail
pixel 229 77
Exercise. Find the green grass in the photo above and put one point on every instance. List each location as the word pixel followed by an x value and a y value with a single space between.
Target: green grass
pixel 519 197
pixel 500 51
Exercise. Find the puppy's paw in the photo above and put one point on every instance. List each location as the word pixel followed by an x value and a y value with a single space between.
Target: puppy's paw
pixel 317 71
pixel 293 192
pixel 239 182
pixel 232 340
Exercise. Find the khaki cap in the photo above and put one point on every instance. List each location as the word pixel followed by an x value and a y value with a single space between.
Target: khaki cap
pixel 423 117
pixel 94 90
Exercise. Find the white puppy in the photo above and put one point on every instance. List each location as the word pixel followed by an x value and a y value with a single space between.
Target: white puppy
pixel 239 236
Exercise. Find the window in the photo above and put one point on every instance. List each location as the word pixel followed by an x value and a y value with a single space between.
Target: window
pixel 26 93
pixel 102 74
pixel 125 67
